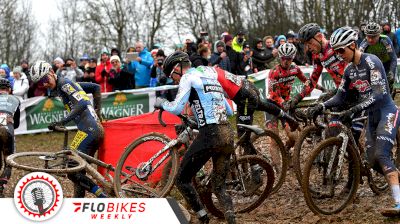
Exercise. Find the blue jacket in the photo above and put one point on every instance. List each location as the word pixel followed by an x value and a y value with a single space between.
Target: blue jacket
pixel 7 69
pixel 142 69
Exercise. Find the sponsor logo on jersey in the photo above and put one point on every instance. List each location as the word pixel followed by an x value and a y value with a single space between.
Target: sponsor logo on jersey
pixel 390 122
pixel 361 85
pixel 200 112
pixel 375 76
pixel 328 61
pixel 67 88
pixel 213 88
pixel 369 62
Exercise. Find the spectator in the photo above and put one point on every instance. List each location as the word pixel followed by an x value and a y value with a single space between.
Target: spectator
pixel 290 37
pixel 21 84
pixel 260 56
pixel 70 71
pixel 300 58
pixel 190 48
pixel 270 50
pixel 120 78
pixel 238 41
pixel 153 54
pixel 201 58
pixel 387 30
pixel 115 51
pixel 280 40
pixel 58 64
pixel 219 57
pixel 245 62
pixel 398 40
pixel 232 55
pixel 141 66
pixel 102 74
pixel 157 75
pixel 5 73
pixel 83 61
pixel 90 70
pixel 25 69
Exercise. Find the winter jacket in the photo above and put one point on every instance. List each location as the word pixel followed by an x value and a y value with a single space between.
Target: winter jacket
pixel 21 86
pixel 237 46
pixel 102 76
pixel 233 59
pixel 261 57
pixel 121 79
pixel 141 70
pixel 198 60
pixel 217 60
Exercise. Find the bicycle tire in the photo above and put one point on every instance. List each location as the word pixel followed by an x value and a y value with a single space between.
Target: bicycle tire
pixel 167 168
pixel 161 190
pixel 354 167
pixel 79 163
pixel 213 206
pixel 300 154
pixel 281 171
pixel 2 162
pixel 377 182
pixel 397 152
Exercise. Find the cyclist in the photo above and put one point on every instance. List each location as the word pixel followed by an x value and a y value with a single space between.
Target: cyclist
pixel 90 132
pixel 9 120
pixel 381 46
pixel 367 75
pixel 281 79
pixel 201 88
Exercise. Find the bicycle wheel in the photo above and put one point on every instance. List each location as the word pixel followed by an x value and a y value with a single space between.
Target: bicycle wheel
pixel 62 162
pixel 331 177
pixel 140 166
pixel 241 186
pixel 270 147
pixel 376 181
pixel 307 141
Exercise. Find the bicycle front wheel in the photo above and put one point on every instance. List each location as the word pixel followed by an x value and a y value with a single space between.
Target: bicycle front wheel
pixel 249 182
pixel 62 162
pixel 270 147
pixel 331 177
pixel 139 165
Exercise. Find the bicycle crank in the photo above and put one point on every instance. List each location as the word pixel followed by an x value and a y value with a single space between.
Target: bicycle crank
pixel 143 170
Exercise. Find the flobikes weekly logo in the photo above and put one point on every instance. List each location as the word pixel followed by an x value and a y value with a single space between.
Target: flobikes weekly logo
pixel 109 210
pixel 38 196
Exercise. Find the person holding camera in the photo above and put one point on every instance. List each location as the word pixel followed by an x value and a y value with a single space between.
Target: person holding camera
pixel 238 41
pixel 245 61
pixel 102 73
pixel 157 77
pixel 219 57
pixel 70 71
pixel 121 79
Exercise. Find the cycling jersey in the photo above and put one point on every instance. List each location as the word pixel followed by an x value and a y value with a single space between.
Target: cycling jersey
pixel 281 81
pixel 326 59
pixel 384 50
pixel 201 88
pixel 369 79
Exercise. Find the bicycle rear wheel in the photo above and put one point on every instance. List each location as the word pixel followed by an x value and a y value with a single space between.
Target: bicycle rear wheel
pixel 331 177
pixel 137 169
pixel 246 192
pixel 62 162
pixel 270 147
pixel 307 141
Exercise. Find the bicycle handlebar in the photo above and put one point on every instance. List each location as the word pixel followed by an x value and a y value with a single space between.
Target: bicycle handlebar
pixel 186 120
pixel 60 129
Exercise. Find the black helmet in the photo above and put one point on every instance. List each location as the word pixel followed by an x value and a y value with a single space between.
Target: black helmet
pixel 372 29
pixel 173 59
pixel 308 31
pixel 4 83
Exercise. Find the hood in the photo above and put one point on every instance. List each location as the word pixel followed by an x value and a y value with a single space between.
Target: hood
pixel 7 69
pixel 280 37
pixel 217 43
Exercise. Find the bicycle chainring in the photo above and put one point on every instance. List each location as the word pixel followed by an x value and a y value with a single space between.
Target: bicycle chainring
pixel 143 170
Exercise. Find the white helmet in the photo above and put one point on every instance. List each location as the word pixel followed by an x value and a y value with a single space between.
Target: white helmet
pixel 372 29
pixel 343 37
pixel 39 70
pixel 287 50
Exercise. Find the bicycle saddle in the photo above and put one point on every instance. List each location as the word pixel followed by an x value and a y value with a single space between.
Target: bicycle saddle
pixel 254 128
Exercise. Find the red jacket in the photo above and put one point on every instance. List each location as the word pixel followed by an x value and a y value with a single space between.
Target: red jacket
pixel 104 79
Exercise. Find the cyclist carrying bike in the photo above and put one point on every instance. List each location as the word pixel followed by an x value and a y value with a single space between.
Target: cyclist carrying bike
pixel 380 45
pixel 9 120
pixel 200 87
pixel 366 74
pixel 90 132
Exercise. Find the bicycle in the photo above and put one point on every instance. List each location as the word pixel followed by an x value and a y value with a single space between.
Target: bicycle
pixel 69 161
pixel 335 169
pixel 166 162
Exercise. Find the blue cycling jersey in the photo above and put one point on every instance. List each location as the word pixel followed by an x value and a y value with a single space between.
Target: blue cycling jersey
pixel 201 88
pixel 369 80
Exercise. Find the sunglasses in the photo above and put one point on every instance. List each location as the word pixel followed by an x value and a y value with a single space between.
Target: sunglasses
pixel 340 50
pixel 43 81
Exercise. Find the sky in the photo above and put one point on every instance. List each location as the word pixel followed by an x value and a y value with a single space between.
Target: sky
pixel 43 11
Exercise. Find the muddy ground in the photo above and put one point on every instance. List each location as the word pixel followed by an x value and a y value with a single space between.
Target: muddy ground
pixel 286 206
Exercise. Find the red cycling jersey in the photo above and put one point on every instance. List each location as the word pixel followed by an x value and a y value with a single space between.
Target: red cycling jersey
pixel 326 59
pixel 281 81
pixel 230 83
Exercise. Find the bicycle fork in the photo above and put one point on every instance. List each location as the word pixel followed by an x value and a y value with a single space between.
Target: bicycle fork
pixel 342 150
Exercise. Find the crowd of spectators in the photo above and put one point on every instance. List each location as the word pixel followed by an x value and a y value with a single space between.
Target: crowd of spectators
pixel 139 67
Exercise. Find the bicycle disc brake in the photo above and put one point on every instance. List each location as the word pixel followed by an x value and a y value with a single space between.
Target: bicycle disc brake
pixel 143 170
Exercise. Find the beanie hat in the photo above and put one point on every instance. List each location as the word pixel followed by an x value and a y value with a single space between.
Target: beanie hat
pixel 59 60
pixel 227 38
pixel 17 69
pixel 115 57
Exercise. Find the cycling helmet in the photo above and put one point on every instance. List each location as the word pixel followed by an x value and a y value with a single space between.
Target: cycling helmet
pixel 308 31
pixel 372 29
pixel 287 50
pixel 172 60
pixel 343 37
pixel 39 70
pixel 4 83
